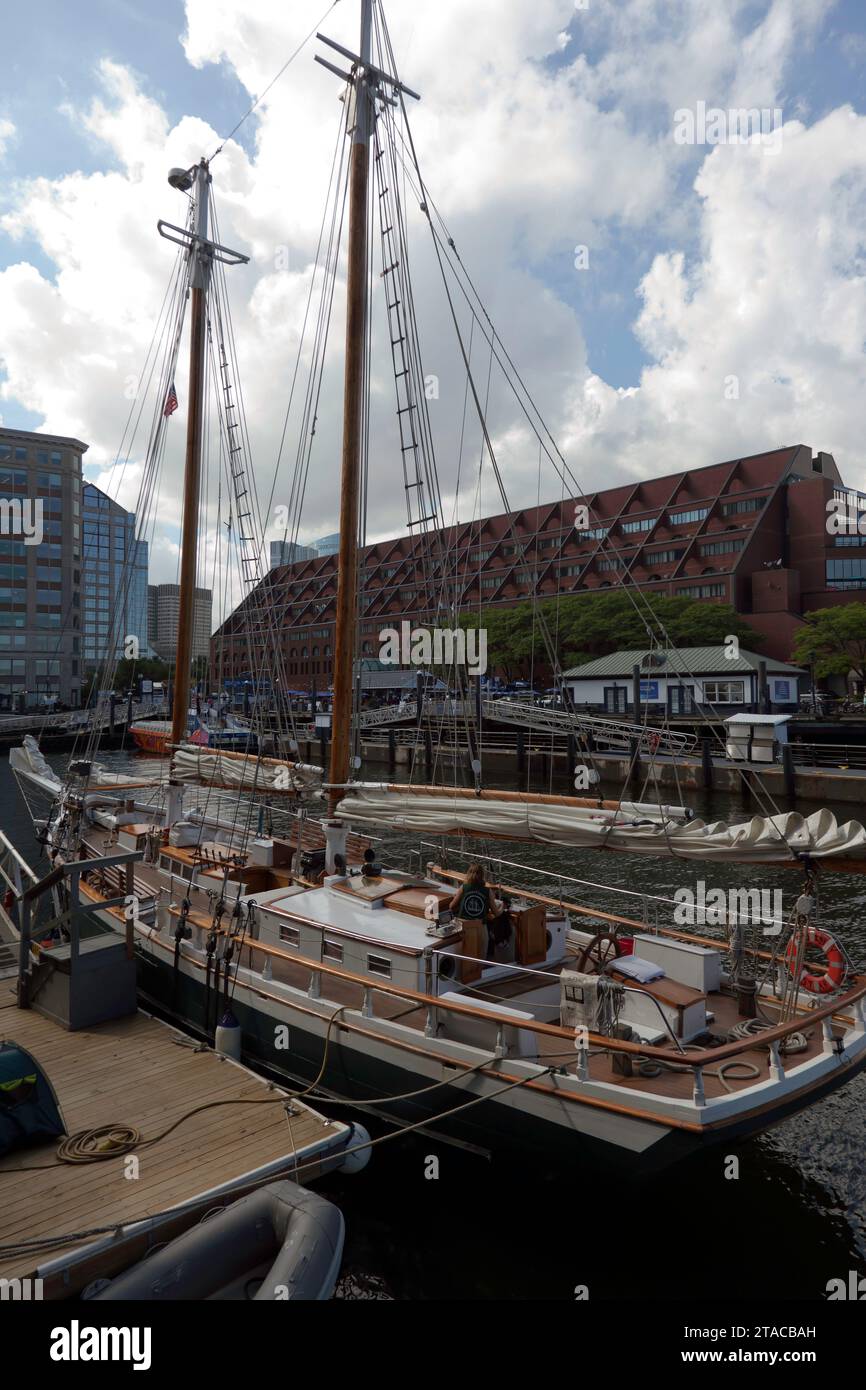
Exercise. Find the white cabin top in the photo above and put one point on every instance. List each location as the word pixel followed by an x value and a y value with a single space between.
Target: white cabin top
pixel 335 908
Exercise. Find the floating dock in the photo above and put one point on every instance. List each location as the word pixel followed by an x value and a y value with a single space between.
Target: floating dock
pixel 139 1072
pixel 167 1130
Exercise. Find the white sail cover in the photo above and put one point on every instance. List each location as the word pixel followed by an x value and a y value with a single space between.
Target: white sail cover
pixel 27 761
pixel 761 840
pixel 247 772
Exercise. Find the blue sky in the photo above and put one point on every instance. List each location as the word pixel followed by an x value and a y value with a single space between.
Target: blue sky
pixel 704 262
pixel 52 64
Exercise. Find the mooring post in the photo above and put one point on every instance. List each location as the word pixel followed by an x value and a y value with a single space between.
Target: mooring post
pixel 707 762
pixel 788 771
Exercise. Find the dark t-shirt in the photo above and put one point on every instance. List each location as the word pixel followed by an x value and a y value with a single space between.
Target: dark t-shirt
pixel 474 903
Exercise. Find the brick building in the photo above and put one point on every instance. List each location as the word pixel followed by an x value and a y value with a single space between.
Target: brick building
pixel 751 532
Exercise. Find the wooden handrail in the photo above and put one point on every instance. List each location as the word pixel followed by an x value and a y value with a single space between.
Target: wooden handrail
pixel 549 1030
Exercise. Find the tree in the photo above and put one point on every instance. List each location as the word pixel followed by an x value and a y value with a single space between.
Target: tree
pixel 584 626
pixel 833 641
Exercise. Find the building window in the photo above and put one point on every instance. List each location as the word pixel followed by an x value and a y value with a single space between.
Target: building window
pixel 681 518
pixel 290 935
pixel 720 547
pixel 847 574
pixel 645 524
pixel 746 504
pixel 664 557
pixel 333 950
pixel 702 591
pixel 379 965
pixel 724 692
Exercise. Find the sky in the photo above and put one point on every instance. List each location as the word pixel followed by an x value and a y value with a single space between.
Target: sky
pixel 672 296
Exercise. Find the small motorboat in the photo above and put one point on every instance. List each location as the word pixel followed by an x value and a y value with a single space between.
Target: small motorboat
pixel 278 1243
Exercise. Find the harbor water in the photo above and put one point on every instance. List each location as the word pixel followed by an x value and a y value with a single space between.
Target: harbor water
pixel 426 1220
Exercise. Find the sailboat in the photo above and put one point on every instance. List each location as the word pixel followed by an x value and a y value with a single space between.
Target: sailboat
pixel 570 1031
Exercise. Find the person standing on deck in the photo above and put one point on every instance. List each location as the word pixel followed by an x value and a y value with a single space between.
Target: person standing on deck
pixel 471 902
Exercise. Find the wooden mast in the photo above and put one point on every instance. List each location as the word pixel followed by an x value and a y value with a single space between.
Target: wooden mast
pixel 353 415
pixel 200 263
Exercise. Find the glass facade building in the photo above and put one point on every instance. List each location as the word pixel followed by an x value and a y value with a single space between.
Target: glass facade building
pixel 115 580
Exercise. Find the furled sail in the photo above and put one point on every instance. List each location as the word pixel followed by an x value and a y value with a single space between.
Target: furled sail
pixel 27 761
pixel 576 822
pixel 215 767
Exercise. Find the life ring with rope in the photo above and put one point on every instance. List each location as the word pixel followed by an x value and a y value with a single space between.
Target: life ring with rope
pixel 653 741
pixel 813 981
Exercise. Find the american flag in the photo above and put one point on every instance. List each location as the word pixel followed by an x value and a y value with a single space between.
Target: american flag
pixel 170 401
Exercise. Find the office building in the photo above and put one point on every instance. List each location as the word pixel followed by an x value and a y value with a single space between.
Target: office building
pixel 163 608
pixel 40 569
pixel 289 552
pixel 115 581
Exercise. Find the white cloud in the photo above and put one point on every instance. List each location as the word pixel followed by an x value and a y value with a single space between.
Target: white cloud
pixel 529 146
pixel 7 130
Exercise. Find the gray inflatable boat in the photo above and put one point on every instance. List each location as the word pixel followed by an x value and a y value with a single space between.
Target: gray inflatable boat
pixel 280 1242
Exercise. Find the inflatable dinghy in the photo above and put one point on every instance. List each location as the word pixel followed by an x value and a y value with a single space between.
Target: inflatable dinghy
pixel 280 1242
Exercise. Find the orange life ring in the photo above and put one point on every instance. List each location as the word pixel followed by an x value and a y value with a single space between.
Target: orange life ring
pixel 828 980
pixel 653 741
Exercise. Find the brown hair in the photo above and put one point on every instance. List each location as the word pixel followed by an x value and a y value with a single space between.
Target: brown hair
pixel 475 875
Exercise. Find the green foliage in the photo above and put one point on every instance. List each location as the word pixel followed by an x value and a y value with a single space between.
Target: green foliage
pixel 833 641
pixel 586 626
pixel 127 673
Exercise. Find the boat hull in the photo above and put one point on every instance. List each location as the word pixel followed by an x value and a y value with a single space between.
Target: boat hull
pixel 287 1042
pixel 151 738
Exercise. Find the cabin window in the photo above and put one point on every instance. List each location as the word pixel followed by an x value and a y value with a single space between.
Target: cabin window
pixel 724 692
pixel 291 935
pixel 379 965
pixel 333 950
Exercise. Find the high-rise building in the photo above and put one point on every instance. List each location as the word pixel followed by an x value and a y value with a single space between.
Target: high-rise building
pixel 163 607
pixel 289 552
pixel 327 545
pixel 115 580
pixel 40 569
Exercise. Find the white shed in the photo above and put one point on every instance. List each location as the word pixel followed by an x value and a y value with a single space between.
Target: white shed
pixel 755 738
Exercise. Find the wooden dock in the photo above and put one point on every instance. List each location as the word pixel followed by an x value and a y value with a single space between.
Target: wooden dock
pixel 136 1071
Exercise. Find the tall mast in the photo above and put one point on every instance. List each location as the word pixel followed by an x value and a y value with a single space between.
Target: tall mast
pixel 353 403
pixel 199 276
pixel 201 255
pixel 364 82
pixel 353 412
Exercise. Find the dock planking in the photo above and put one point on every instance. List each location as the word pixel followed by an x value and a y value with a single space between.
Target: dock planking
pixel 137 1071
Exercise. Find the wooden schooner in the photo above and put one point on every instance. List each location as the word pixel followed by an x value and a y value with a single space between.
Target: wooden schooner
pixel 574 1031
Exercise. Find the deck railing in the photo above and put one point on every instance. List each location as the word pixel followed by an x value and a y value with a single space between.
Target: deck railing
pixel 773 1037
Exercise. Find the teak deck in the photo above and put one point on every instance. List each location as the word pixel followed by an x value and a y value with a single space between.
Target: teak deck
pixel 138 1071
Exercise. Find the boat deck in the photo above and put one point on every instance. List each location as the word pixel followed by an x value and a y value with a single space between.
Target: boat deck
pixel 665 1082
pixel 140 1072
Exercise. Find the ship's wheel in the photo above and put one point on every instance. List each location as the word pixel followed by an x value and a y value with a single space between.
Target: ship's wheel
pixel 598 953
